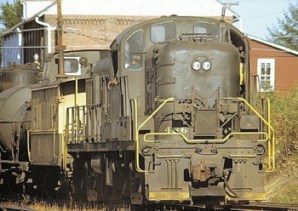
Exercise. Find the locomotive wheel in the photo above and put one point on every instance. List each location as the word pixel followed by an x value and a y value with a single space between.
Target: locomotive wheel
pixel 7 188
pixel 45 182
pixel 47 188
pixel 11 185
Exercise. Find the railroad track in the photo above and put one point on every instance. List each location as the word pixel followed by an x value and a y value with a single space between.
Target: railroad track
pixel 271 206
pixel 14 208
pixel 264 206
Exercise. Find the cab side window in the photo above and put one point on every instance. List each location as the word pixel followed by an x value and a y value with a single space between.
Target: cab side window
pixel 72 66
pixel 206 29
pixel 134 56
pixel 163 32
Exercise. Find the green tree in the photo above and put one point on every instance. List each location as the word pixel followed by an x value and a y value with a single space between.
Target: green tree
pixel 11 13
pixel 285 33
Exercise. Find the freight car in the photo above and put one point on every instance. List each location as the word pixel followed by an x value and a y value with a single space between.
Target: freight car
pixel 166 118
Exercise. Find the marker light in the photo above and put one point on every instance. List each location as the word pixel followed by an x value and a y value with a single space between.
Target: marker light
pixel 206 65
pixel 196 65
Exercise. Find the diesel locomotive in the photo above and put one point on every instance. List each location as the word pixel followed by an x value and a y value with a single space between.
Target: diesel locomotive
pixel 165 118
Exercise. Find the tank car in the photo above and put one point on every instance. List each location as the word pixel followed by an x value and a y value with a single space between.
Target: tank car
pixel 14 121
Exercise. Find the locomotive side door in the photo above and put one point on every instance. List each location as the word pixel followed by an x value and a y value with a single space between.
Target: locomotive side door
pixel 134 68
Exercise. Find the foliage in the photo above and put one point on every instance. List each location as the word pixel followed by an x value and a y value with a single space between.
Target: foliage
pixel 284 110
pixel 285 116
pixel 11 14
pixel 286 31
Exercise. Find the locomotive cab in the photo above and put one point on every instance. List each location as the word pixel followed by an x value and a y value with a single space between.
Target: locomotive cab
pixel 76 63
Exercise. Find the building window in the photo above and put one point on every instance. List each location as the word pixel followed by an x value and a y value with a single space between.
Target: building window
pixel 266 75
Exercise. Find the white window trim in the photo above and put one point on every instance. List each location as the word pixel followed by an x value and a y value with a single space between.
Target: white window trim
pixel 79 72
pixel 272 74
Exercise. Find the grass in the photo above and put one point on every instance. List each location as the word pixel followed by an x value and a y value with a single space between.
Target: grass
pixel 43 206
pixel 284 110
pixel 288 194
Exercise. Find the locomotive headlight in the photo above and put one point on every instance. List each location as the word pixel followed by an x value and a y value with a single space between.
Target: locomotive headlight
pixel 206 65
pixel 196 65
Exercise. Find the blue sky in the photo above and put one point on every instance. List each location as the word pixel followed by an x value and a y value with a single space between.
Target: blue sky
pixel 256 15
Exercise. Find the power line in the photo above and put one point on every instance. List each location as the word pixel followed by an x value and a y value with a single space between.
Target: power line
pixel 262 16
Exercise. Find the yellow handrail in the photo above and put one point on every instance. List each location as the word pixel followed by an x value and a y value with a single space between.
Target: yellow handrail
pixel 271 141
pixel 205 141
pixel 269 134
pixel 64 150
pixel 171 99
pixel 137 129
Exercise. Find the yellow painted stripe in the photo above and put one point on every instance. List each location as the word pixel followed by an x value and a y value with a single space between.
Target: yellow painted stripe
pixel 250 196
pixel 167 195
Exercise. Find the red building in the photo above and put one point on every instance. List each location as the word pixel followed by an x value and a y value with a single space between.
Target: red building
pixel 275 66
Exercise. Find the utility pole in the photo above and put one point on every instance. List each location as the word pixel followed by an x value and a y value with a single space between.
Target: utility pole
pixel 60 48
pixel 229 4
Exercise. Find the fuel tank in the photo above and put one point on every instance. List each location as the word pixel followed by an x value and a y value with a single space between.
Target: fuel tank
pixel 13 112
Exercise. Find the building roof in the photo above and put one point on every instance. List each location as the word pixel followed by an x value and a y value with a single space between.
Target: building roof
pixel 128 7
pixel 279 47
pixel 38 8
